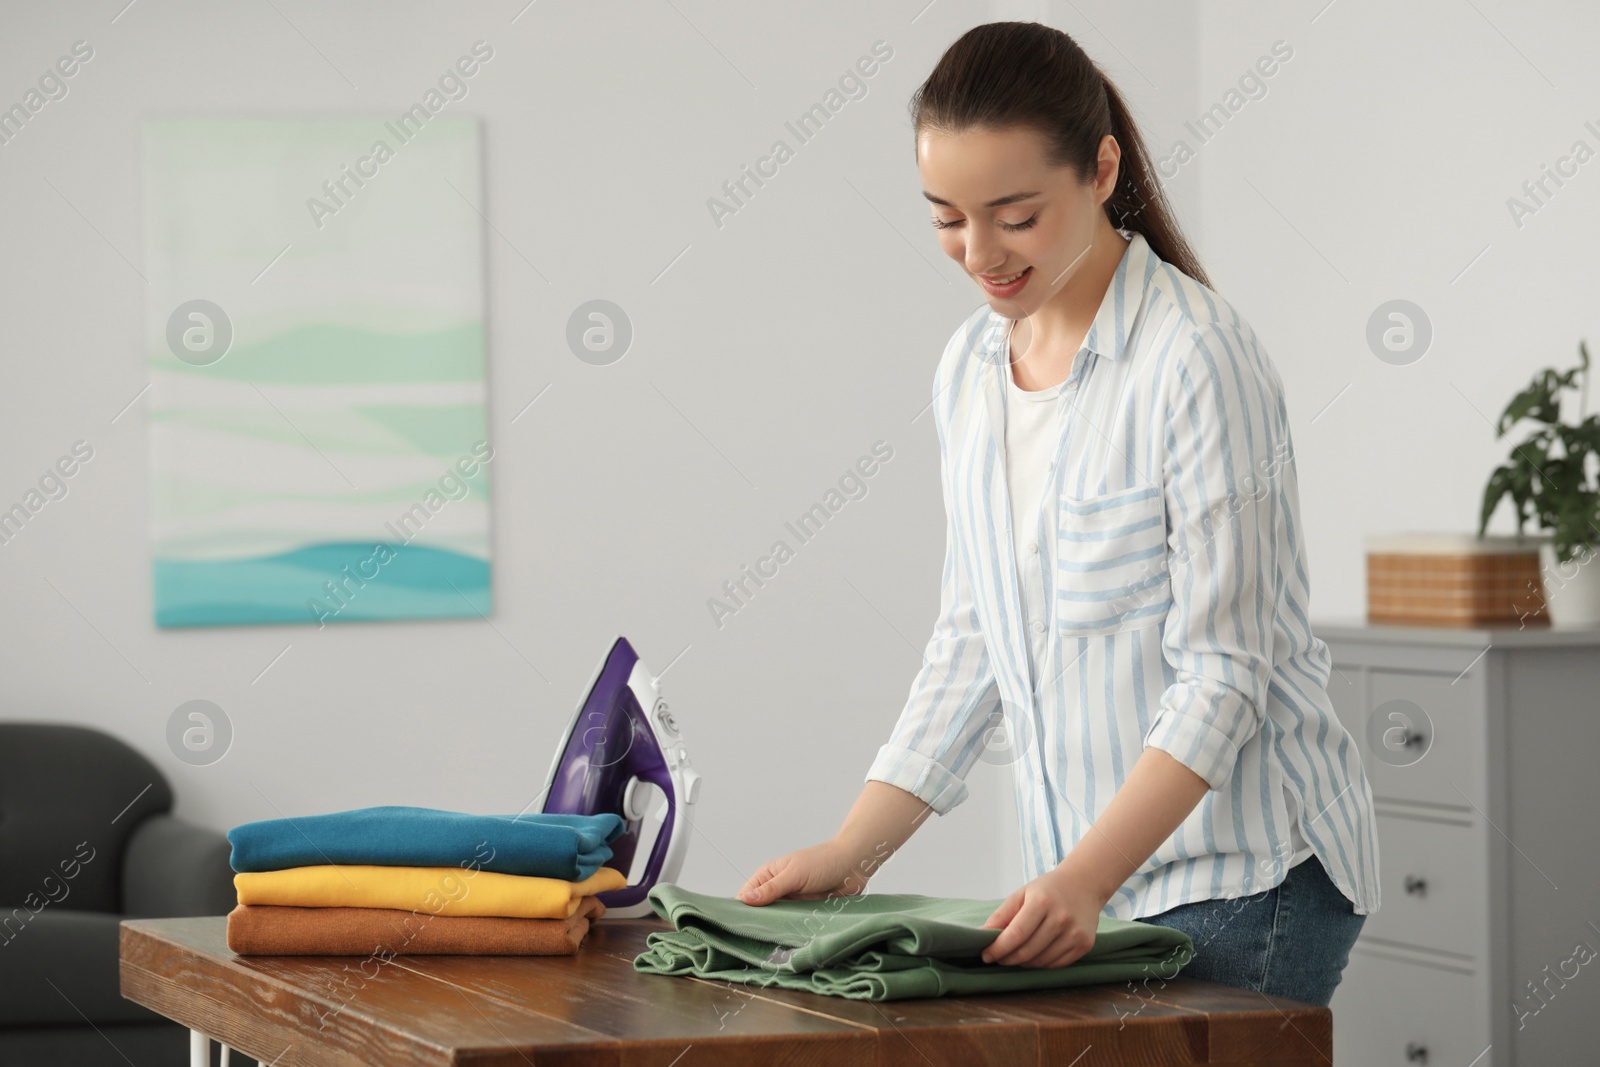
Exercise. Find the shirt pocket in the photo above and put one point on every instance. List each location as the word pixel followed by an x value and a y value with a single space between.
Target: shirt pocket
pixel 1111 562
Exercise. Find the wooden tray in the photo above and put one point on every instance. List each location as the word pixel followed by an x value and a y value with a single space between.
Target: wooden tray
pixel 1437 579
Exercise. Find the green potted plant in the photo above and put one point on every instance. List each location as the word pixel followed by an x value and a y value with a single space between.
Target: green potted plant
pixel 1551 478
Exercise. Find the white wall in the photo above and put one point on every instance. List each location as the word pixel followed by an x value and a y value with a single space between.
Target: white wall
pixel 769 354
pixel 1379 167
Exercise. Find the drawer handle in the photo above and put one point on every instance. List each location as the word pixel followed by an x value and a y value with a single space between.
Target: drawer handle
pixel 1416 1053
pixel 1406 735
pixel 1417 887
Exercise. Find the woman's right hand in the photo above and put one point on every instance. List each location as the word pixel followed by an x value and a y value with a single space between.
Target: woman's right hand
pixel 809 874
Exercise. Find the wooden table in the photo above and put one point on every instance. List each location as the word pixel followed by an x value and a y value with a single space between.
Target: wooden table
pixel 594 1008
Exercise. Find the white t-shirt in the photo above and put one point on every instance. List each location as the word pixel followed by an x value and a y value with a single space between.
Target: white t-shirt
pixel 1032 425
pixel 1033 432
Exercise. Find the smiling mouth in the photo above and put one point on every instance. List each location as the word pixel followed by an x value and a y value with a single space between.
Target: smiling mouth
pixel 1005 279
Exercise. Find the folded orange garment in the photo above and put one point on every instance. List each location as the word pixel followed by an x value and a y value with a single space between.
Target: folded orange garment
pixel 281 930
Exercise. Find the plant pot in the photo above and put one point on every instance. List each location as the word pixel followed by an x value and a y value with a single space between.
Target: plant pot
pixel 1571 589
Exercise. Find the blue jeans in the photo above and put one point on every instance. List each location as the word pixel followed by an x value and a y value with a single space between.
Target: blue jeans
pixel 1292 940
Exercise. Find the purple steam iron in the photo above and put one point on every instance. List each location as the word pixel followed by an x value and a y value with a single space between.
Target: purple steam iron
pixel 623 754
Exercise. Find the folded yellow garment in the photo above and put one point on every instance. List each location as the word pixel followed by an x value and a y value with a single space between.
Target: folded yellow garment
pixel 430 890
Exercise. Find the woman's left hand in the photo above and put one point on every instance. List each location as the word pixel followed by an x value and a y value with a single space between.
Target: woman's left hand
pixel 1049 922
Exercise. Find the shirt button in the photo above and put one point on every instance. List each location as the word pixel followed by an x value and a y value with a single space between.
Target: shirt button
pixel 1038 626
pixel 1033 548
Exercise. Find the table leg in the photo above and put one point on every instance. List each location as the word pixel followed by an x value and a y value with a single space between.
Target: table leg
pixel 200 1050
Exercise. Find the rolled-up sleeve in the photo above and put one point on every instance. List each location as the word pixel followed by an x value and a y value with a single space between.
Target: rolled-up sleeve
pixel 1227 448
pixel 954 699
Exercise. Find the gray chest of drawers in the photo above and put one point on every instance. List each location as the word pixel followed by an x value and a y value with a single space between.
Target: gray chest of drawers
pixel 1483 751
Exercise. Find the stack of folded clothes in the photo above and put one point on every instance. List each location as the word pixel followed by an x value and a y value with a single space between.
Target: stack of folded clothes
pixel 402 880
pixel 881 946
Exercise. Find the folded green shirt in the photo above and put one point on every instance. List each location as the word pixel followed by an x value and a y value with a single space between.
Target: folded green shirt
pixel 880 946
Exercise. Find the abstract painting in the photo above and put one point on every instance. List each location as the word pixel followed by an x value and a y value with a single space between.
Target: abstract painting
pixel 319 450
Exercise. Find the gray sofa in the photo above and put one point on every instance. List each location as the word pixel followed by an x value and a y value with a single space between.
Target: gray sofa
pixel 87 839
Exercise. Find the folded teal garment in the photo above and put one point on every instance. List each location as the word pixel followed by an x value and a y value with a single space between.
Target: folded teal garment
pixel 881 946
pixel 569 847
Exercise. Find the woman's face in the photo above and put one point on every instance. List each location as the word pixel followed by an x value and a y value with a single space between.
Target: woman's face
pixel 1000 209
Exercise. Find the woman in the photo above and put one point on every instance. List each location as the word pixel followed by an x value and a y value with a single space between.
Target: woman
pixel 1124 585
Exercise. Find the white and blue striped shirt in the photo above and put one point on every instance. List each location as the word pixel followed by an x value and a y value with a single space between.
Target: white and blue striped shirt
pixel 1168 605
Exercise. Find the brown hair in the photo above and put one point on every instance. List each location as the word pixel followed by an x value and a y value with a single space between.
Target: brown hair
pixel 1005 74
